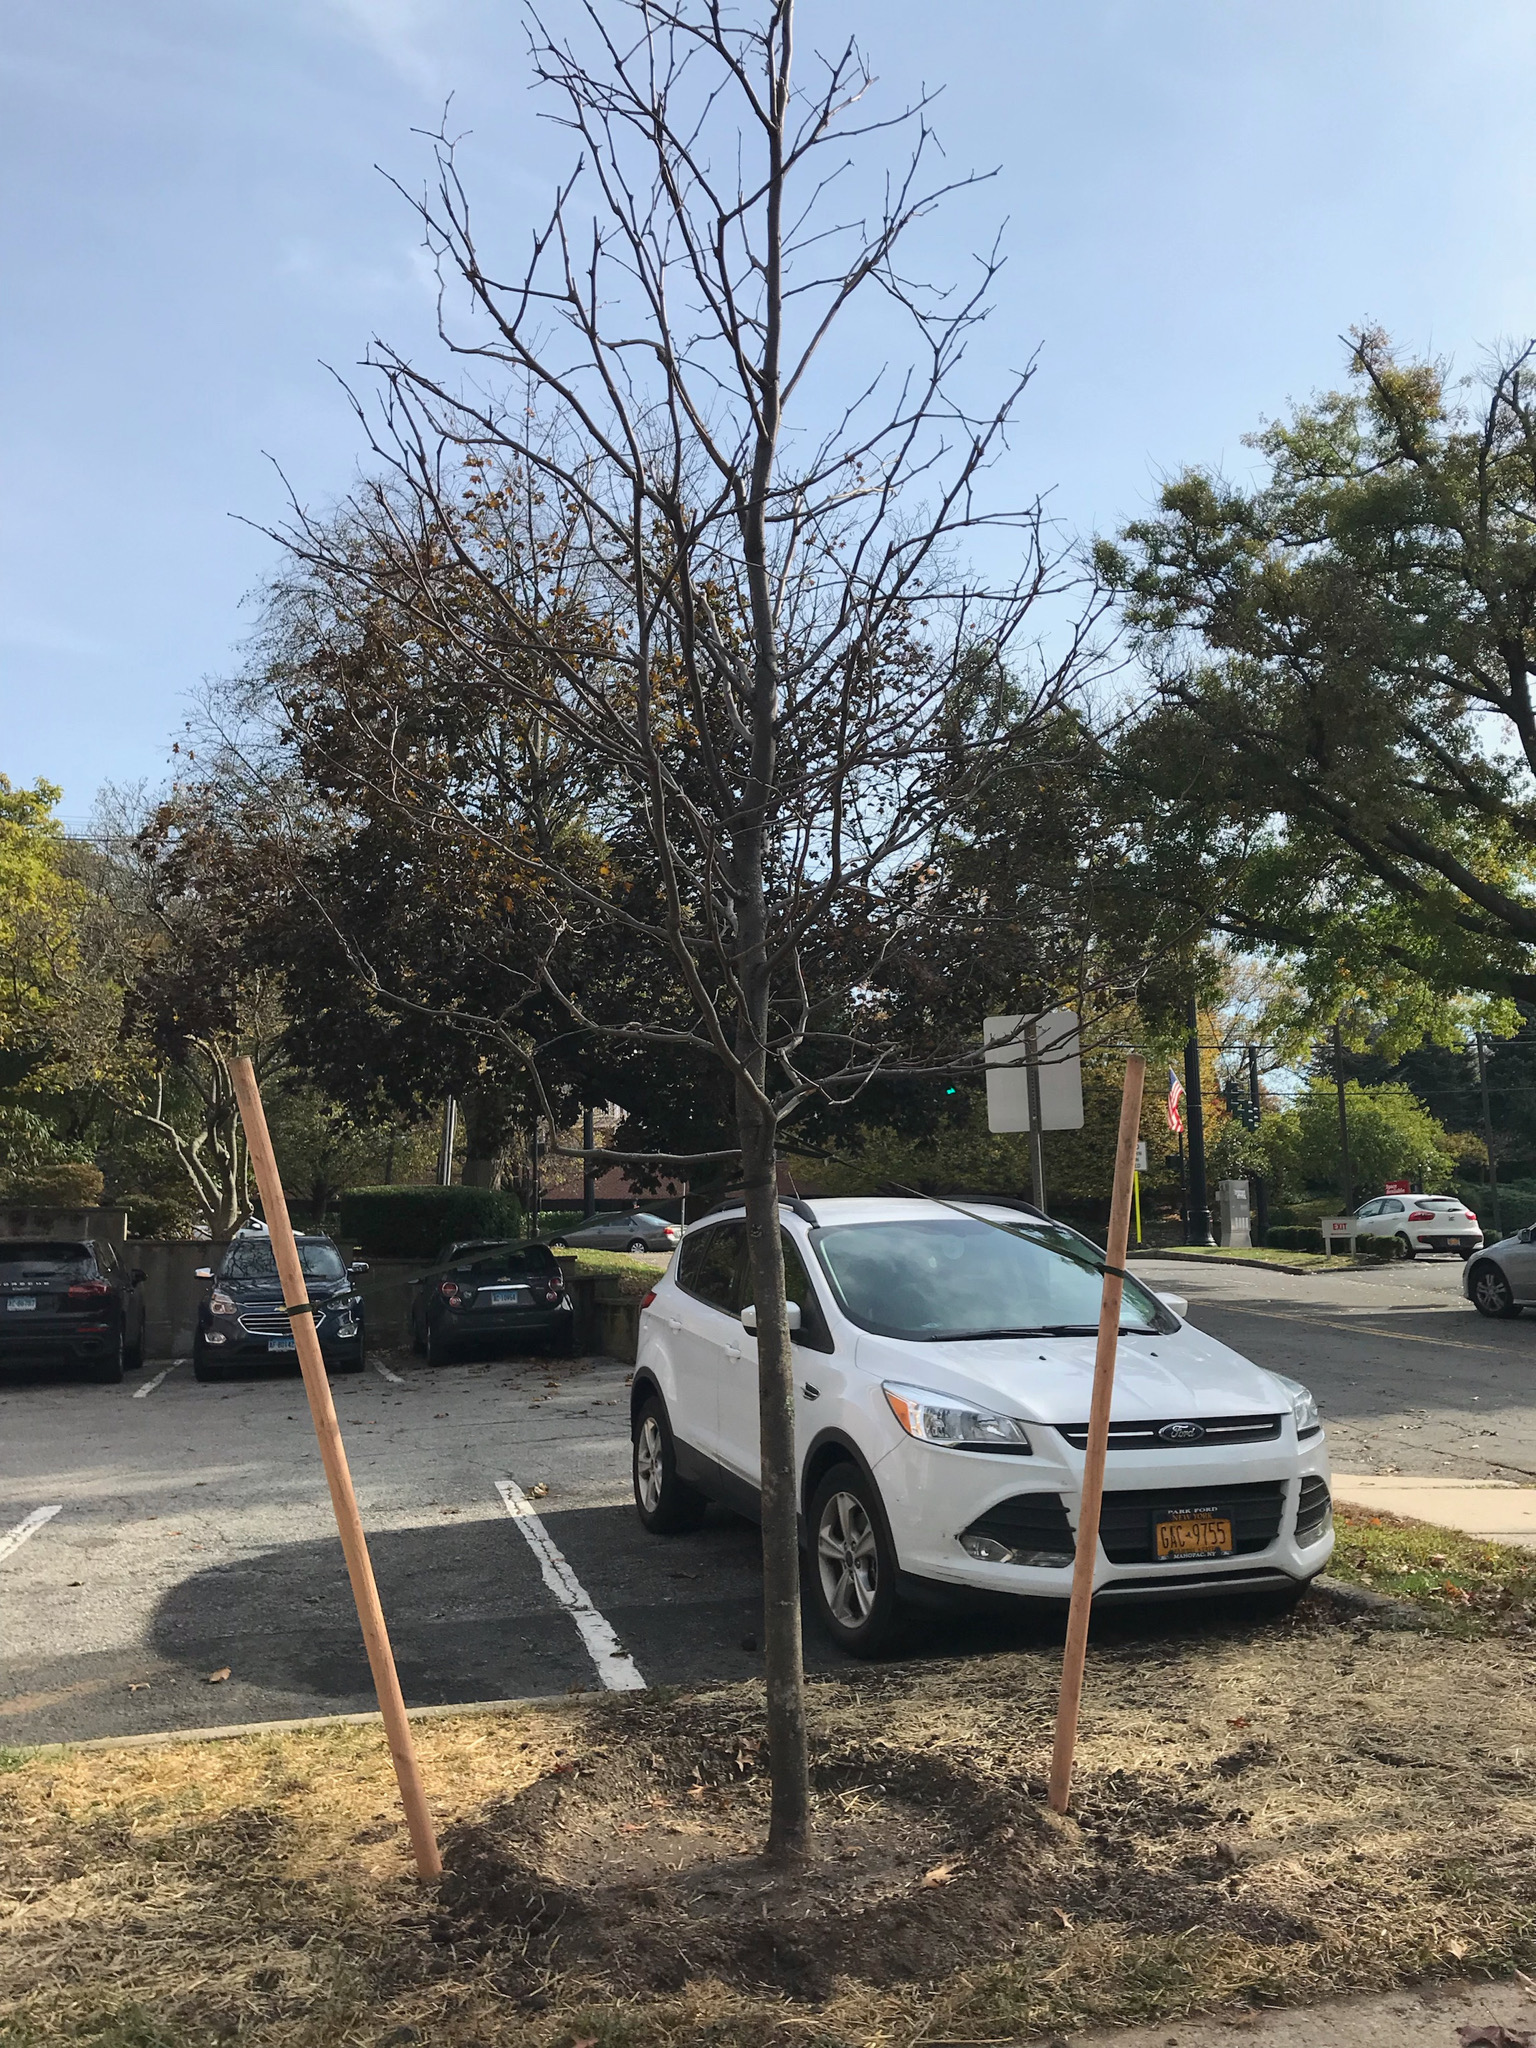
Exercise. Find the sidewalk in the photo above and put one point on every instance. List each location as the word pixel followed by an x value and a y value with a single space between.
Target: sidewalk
pixel 1497 1509
pixel 1434 2016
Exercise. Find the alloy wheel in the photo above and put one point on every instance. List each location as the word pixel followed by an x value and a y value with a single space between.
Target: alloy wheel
pixel 848 1559
pixel 648 1467
pixel 1490 1291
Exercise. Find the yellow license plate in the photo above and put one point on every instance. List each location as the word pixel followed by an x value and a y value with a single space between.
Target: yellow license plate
pixel 1194 1536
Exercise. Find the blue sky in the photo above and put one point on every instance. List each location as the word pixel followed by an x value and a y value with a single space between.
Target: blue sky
pixel 1202 196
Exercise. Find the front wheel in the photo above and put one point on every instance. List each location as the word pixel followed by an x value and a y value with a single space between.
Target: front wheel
pixel 204 1370
pixel 439 1348
pixel 1492 1294
pixel 665 1504
pixel 853 1568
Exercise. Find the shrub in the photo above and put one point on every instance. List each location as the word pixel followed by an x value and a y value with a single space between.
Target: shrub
pixel 59 1184
pixel 1293 1237
pixel 415 1222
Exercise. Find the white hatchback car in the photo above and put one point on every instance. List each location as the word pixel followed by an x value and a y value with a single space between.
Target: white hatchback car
pixel 1421 1223
pixel 943 1366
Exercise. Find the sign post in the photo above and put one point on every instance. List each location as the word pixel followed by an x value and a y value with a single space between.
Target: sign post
pixel 1098 1439
pixel 349 1523
pixel 1034 1080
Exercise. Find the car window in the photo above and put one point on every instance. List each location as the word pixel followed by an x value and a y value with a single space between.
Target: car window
pixel 813 1334
pixel 1391 1209
pixel 106 1255
pixel 707 1265
pixel 27 1258
pixel 932 1278
pixel 511 1261
pixel 648 1222
pixel 1370 1209
pixel 253 1260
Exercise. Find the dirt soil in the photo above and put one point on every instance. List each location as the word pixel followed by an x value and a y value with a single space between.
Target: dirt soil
pixel 1266 1813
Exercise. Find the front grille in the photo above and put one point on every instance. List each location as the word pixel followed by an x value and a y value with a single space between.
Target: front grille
pixel 1126 1520
pixel 1029 1521
pixel 276 1324
pixel 1146 1436
pixel 1313 1509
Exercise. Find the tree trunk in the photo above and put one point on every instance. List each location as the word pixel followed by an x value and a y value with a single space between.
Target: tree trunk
pixel 789 1828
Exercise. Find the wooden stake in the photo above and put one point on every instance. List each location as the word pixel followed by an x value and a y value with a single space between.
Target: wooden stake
pixel 1098 1439
pixel 354 1544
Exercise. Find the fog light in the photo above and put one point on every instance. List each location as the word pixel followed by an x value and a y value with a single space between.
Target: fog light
pixel 346 1330
pixel 987 1550
pixel 215 1337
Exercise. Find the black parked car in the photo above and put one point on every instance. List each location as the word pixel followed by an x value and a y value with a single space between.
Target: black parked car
pixel 70 1301
pixel 510 1293
pixel 240 1321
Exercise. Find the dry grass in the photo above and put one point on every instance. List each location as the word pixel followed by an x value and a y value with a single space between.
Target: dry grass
pixel 1265 1813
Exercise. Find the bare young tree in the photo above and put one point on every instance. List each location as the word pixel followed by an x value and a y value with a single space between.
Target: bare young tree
pixel 664 505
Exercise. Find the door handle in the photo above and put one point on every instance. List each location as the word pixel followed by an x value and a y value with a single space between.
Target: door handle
pixel 811 1393
pixel 733 1351
pixel 673 1322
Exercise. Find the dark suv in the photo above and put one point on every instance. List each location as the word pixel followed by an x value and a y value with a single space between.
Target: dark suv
pixel 241 1320
pixel 71 1301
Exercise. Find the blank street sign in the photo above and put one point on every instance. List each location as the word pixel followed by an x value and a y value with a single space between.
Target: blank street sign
pixel 1059 1052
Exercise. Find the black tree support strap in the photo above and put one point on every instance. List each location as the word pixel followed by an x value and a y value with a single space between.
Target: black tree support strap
pixel 305 1308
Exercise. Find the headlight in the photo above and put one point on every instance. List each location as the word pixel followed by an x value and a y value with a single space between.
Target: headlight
pixel 937 1420
pixel 220 1304
pixel 1303 1405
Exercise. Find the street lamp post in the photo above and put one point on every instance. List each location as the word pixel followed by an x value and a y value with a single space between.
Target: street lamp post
pixel 1493 1171
pixel 1347 1181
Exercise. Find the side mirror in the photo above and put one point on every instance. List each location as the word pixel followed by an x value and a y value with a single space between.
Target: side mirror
pixel 791 1310
pixel 1528 1235
pixel 1177 1303
pixel 203 1273
pixel 138 1276
pixel 357 1266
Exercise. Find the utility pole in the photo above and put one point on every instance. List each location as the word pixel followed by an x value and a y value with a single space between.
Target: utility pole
pixel 1194 1107
pixel 1493 1171
pixel 445 1146
pixel 588 1166
pixel 1347 1181
pixel 1036 1135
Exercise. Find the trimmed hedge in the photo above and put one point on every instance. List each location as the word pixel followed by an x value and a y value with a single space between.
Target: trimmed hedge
pixel 414 1222
pixel 1293 1237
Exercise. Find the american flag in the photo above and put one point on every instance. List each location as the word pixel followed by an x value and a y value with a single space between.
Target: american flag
pixel 1175 1101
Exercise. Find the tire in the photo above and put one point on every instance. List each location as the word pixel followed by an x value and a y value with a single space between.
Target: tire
pixel 1491 1292
pixel 1406 1250
pixel 133 1354
pixel 853 1565
pixel 636 1244
pixel 563 1343
pixel 352 1364
pixel 558 1244
pixel 418 1336
pixel 665 1504
pixel 440 1350
pixel 106 1372
pixel 204 1369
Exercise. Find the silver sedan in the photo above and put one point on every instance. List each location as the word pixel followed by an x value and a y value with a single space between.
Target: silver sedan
pixel 1500 1280
pixel 636 1230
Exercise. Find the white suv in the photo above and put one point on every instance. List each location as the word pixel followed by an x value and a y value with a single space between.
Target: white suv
pixel 943 1360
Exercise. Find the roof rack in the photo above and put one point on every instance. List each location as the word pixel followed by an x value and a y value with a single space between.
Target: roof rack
pixel 793 1203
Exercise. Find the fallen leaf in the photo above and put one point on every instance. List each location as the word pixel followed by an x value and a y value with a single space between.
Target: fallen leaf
pixel 538 1492
pixel 941 1873
pixel 1237 1721
pixel 218 1677
pixel 1439 1559
pixel 586 2041
pixel 1065 1919
pixel 1492 2035
pixel 142 1686
pixel 1457 1592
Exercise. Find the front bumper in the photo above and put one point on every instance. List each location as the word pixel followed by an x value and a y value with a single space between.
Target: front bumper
pixel 229 1340
pixel 933 1495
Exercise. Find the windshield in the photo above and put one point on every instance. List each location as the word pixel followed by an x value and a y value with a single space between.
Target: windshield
pixel 254 1261
pixel 956 1277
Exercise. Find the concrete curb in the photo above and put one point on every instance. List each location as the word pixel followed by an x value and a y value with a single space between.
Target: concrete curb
pixel 1381 1606
pixel 162 1738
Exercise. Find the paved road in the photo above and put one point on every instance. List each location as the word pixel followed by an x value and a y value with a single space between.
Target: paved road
pixel 193 1531
pixel 1409 1377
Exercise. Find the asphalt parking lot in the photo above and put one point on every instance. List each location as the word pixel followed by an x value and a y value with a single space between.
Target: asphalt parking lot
pixel 192 1533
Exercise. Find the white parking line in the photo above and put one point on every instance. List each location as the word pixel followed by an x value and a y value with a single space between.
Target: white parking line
pixel 29 1525
pixel 384 1373
pixel 615 1667
pixel 149 1386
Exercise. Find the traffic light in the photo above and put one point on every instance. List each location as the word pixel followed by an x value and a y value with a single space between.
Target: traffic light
pixel 1248 1114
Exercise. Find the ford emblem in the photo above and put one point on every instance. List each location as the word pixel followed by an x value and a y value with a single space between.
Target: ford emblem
pixel 1182 1432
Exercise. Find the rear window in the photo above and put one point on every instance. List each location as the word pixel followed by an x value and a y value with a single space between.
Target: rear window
pixel 253 1260
pixel 24 1258
pixel 512 1262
